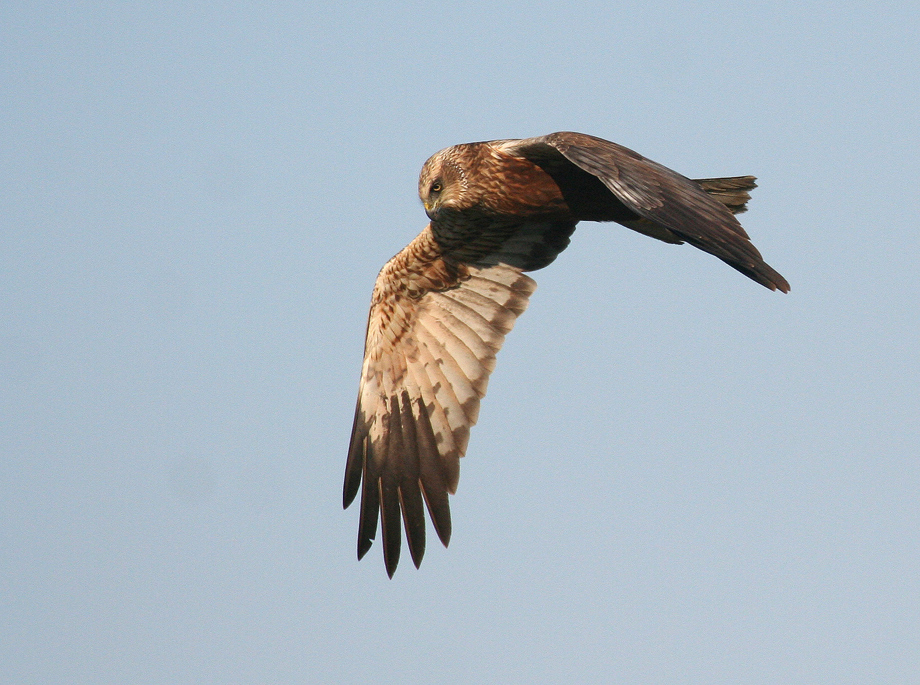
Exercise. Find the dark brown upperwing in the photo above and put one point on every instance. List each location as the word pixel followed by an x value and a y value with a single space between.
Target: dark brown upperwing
pixel 647 191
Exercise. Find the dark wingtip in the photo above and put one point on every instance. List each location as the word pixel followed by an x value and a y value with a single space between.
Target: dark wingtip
pixel 775 284
pixel 759 271
pixel 444 531
pixel 414 518
pixel 357 457
pixel 348 495
pixel 774 281
pixel 390 559
pixel 364 544
pixel 367 520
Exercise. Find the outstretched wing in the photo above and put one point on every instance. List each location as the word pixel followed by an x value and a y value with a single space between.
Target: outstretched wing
pixel 649 198
pixel 434 329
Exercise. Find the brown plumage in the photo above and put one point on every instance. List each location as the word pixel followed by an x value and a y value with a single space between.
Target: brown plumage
pixel 441 307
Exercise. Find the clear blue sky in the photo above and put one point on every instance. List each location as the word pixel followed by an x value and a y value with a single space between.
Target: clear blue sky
pixel 678 476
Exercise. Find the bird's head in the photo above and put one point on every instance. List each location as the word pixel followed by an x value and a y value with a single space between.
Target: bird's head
pixel 443 181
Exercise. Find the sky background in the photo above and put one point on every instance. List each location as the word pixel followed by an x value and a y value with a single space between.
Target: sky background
pixel 678 476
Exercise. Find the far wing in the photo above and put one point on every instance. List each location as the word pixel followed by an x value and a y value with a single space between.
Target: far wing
pixel 655 193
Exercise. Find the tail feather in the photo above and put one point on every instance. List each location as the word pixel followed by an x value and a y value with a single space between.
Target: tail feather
pixel 731 192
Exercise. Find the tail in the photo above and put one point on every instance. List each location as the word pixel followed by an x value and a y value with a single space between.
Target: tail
pixel 731 192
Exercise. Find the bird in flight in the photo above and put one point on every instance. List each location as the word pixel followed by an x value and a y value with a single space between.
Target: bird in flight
pixel 441 308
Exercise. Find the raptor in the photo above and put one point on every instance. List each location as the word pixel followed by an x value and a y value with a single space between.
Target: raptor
pixel 442 306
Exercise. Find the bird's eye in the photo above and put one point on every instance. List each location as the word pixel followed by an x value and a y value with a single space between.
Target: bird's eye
pixel 436 187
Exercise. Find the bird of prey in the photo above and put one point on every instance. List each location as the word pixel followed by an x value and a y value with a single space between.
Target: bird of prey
pixel 442 306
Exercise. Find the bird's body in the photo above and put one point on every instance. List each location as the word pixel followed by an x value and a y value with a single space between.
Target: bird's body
pixel 442 306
